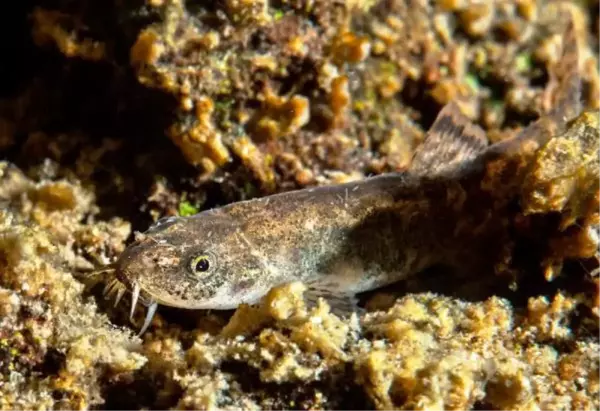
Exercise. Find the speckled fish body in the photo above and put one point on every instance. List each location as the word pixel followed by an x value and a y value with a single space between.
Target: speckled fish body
pixel 339 240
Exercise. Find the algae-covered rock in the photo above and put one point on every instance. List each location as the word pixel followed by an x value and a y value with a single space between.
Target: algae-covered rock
pixel 346 86
pixel 122 112
pixel 56 346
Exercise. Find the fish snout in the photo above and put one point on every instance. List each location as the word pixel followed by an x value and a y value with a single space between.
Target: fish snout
pixel 130 268
pixel 129 265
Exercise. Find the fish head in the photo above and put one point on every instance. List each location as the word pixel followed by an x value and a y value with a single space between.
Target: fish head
pixel 198 262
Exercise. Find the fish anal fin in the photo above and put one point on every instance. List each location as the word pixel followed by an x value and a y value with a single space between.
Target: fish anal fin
pixel 452 141
pixel 341 304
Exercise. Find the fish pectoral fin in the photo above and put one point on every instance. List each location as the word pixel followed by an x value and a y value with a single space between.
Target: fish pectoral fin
pixel 341 304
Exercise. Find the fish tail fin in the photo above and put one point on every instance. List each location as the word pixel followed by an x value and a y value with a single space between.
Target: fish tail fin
pixel 566 75
pixel 452 141
pixel 563 101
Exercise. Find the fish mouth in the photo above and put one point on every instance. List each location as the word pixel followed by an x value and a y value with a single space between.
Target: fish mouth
pixel 116 288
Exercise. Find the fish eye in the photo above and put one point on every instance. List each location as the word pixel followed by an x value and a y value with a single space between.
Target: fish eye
pixel 200 264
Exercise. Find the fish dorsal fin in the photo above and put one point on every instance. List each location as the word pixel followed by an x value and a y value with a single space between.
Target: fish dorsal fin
pixel 451 142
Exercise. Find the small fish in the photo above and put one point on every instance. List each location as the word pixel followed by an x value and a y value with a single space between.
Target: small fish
pixel 339 240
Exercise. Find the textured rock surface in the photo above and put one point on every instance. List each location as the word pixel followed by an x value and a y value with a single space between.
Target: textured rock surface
pixel 113 114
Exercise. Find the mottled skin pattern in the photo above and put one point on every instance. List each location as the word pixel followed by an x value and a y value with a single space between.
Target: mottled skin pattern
pixel 345 238
pixel 339 240
pixel 456 206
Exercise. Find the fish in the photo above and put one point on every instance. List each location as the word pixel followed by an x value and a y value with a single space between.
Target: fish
pixel 344 239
